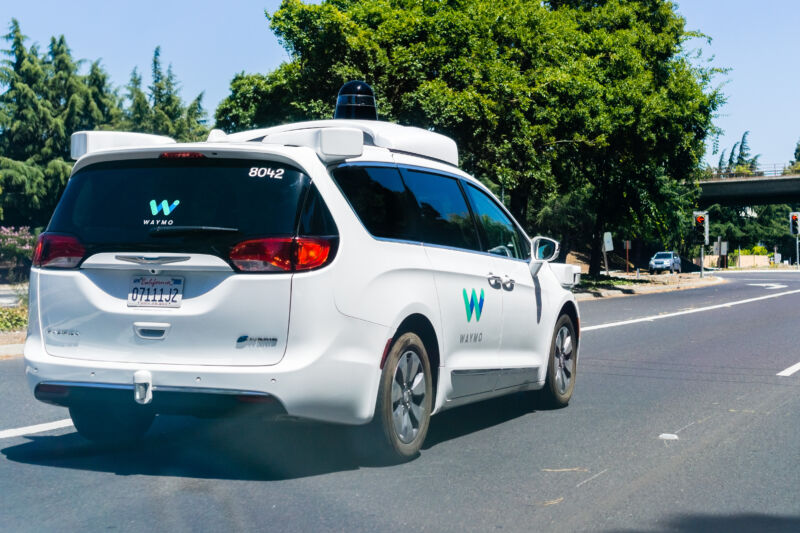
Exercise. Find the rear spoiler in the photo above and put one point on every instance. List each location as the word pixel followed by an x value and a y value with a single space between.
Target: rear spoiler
pixel 87 142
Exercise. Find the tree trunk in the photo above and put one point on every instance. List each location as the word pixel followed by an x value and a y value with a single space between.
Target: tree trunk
pixel 596 246
pixel 518 206
pixel 595 257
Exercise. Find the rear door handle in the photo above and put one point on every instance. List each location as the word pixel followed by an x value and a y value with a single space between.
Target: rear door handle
pixel 508 284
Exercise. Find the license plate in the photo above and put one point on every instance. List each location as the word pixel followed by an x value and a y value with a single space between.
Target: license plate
pixel 155 291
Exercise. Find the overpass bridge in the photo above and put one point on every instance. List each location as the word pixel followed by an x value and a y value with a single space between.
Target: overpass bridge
pixel 767 185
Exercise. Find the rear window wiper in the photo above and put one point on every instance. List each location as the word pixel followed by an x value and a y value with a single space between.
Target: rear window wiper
pixel 167 231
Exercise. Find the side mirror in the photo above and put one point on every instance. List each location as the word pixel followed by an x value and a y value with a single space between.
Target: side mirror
pixel 543 250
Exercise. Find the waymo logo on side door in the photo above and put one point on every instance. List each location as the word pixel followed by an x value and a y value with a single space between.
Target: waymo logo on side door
pixel 473 305
pixel 165 207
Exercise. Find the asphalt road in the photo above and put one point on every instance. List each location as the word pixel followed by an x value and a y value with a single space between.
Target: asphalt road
pixel 707 377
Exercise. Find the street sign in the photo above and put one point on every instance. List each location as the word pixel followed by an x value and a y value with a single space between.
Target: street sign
pixel 608 244
pixel 716 248
pixel 724 248
pixel 777 258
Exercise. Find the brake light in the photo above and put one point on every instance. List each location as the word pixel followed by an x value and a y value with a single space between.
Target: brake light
pixel 281 254
pixel 182 155
pixel 311 252
pixel 263 255
pixel 58 251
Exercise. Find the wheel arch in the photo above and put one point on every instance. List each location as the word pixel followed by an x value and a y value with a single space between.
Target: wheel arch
pixel 570 309
pixel 419 324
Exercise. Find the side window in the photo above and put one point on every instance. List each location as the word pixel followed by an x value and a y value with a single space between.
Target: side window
pixel 379 198
pixel 500 235
pixel 315 219
pixel 442 213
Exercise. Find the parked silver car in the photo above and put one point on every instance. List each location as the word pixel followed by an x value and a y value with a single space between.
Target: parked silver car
pixel 665 261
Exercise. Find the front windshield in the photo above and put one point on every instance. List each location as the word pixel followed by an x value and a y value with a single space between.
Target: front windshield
pixel 663 255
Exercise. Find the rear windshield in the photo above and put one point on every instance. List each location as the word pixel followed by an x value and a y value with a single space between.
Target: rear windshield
pixel 663 255
pixel 180 204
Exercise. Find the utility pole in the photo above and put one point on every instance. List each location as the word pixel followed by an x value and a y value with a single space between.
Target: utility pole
pixel 794 229
pixel 700 233
pixel 702 261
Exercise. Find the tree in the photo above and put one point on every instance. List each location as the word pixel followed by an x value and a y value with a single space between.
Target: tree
pixel 740 161
pixel 161 110
pixel 44 99
pixel 588 100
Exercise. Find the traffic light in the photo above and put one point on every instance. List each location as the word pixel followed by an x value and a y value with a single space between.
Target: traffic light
pixel 794 222
pixel 700 227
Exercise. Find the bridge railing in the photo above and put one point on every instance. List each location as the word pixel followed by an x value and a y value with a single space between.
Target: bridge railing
pixel 761 171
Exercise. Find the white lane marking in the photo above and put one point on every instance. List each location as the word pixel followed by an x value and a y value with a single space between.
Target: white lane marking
pixel 768 286
pixel 668 436
pixel 686 312
pixel 789 371
pixel 591 478
pixel 38 428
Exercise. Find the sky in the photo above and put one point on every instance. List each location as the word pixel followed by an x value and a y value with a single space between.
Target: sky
pixel 207 43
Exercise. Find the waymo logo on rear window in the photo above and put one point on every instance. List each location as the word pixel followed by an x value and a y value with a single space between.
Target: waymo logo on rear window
pixel 165 207
pixel 473 305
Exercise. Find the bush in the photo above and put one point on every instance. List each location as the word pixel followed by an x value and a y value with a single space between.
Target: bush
pixel 16 250
pixel 758 250
pixel 13 318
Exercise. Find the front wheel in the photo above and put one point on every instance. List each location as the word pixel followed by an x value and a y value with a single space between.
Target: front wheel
pixel 404 405
pixel 562 364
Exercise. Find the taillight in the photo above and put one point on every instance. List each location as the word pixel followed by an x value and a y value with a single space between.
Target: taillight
pixel 58 251
pixel 311 252
pixel 281 254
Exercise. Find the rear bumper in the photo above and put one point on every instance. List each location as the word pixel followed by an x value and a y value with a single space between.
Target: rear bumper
pixel 332 380
pixel 174 401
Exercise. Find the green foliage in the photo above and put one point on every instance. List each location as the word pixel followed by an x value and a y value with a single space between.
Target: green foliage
pixel 794 165
pixel 44 99
pixel 161 109
pixel 749 227
pixel 585 109
pixel 13 318
pixel 739 162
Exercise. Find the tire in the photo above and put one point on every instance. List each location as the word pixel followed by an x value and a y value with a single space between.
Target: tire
pixel 652 271
pixel 405 394
pixel 562 365
pixel 111 424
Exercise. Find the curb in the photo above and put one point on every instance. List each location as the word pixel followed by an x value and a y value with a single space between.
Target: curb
pixel 649 289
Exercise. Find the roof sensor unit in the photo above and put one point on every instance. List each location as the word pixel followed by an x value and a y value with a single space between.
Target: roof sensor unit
pixel 356 101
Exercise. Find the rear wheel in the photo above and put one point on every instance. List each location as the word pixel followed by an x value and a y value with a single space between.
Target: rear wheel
pixel 403 409
pixel 111 424
pixel 562 365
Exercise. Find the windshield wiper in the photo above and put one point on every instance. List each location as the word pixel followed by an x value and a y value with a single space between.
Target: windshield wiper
pixel 168 231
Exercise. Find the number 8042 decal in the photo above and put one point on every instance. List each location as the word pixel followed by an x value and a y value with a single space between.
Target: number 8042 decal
pixel 264 172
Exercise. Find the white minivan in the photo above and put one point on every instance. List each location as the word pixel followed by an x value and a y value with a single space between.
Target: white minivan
pixel 343 270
